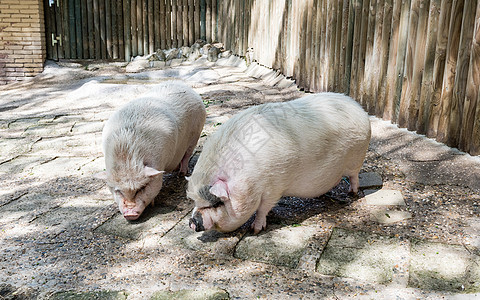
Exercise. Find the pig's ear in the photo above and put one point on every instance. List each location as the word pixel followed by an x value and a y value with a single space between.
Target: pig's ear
pixel 151 172
pixel 101 175
pixel 220 189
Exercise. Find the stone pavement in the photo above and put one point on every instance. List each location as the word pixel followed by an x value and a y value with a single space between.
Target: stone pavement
pixel 412 233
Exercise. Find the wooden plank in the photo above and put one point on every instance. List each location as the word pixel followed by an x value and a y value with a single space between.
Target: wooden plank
pixel 185 23
pixel 402 46
pixel 191 24
pixel 323 47
pixel 450 68
pixel 312 74
pixel 362 49
pixel 163 25
pixel 139 26
pixel 338 46
pixel 78 29
pixel 470 132
pixel 168 24
pixel 91 29
pixel 179 24
pixel 392 61
pixel 96 25
pixel 113 6
pixel 376 60
pixel 156 24
pixel 461 73
pixel 331 36
pixel 208 21
pixel 174 24
pixel 426 92
pixel 108 28
pixel 349 47
pixel 384 57
pixel 120 26
pixel 365 95
pixel 196 18
pixel 357 26
pixel 344 13
pixel 145 27
pixel 408 84
pixel 134 28
pixel 103 30
pixel 84 24
pixel 214 20
pixel 50 29
pixel 151 28
pixel 71 25
pixel 439 67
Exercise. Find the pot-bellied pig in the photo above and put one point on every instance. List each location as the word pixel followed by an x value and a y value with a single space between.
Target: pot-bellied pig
pixel 153 134
pixel 299 148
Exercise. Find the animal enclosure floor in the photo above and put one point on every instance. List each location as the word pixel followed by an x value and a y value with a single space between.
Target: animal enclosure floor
pixel 411 233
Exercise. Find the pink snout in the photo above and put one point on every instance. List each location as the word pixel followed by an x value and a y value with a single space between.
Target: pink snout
pixel 131 214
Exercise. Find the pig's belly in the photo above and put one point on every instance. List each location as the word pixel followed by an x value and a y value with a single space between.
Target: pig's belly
pixel 313 184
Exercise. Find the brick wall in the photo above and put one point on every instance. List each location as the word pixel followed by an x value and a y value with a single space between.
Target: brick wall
pixel 22 39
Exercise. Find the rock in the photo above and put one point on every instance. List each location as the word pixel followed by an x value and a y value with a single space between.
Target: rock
pixel 370 180
pixel 213 54
pixel 281 246
pixel 385 216
pixel 137 65
pixel 384 197
pixel 105 295
pixel 198 294
pixel 360 255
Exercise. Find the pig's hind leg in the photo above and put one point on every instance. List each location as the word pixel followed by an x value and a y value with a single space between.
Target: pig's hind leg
pixel 186 159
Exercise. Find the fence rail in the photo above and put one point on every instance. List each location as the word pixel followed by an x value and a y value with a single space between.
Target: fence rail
pixel 414 62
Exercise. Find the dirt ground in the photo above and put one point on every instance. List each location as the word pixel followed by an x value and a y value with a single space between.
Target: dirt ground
pixel 58 223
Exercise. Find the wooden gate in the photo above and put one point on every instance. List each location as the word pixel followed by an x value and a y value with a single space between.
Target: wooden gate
pixel 120 29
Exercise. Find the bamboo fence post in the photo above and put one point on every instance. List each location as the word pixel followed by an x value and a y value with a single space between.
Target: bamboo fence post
pixel 461 73
pixel 91 30
pixel 174 23
pixel 366 96
pixel 185 23
pixel 179 31
pixel 358 4
pixel 338 45
pixel 378 57
pixel 407 89
pixel 191 23
pixel 402 45
pixel 127 33
pixel 349 46
pixel 120 33
pixel 84 22
pixel 426 91
pixel 392 61
pixel 156 25
pixel 450 69
pixel 439 67
pixel 362 49
pixel 168 24
pixel 151 29
pixel 470 132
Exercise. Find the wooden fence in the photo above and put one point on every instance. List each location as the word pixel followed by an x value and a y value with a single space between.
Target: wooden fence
pixel 415 62
pixel 120 29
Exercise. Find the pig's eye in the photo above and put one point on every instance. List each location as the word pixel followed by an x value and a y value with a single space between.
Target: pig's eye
pixel 118 192
pixel 139 190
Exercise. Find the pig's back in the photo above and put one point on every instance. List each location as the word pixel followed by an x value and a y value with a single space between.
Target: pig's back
pixel 158 125
pixel 300 148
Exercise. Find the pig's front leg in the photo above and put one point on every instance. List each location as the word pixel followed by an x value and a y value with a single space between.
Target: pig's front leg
pixel 186 158
pixel 260 223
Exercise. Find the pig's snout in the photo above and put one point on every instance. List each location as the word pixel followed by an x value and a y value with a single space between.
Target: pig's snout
pixel 131 214
pixel 196 222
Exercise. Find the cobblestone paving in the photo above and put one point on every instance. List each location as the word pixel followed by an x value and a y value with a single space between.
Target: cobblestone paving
pixel 411 233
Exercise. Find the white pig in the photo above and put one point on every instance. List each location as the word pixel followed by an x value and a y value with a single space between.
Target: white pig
pixel 299 148
pixel 153 134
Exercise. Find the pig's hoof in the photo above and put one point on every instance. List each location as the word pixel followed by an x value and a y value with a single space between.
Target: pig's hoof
pixel 196 223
